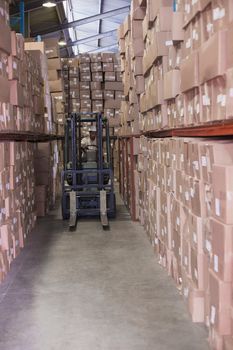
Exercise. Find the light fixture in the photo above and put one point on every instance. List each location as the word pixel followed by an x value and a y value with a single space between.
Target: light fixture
pixel 62 41
pixel 49 4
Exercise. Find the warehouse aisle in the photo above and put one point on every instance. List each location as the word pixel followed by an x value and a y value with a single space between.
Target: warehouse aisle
pixel 93 290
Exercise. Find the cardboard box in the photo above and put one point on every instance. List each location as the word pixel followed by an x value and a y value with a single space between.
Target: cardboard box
pixel 172 81
pixel 52 49
pixel 108 94
pixel 222 243
pixel 95 85
pixel 97 106
pixel 53 75
pixel 16 94
pixel 5 39
pixel 220 299
pixel 223 189
pixel 112 104
pixel 212 57
pixel 116 86
pixel 54 64
pixel 56 85
pixel 189 72
pixel 97 95
pixel 85 94
pixel 5 92
pixel 177 26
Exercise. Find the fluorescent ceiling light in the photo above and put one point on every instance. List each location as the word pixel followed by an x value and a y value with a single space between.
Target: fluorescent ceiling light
pixel 62 41
pixel 49 4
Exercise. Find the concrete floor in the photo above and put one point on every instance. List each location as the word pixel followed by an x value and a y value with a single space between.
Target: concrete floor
pixel 93 289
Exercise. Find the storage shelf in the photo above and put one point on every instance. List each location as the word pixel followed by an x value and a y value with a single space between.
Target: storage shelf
pixel 27 136
pixel 223 128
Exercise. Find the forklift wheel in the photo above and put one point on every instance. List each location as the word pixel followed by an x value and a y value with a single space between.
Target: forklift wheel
pixel 112 214
pixel 66 206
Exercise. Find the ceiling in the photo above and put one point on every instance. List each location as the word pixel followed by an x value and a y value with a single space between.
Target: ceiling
pixel 54 22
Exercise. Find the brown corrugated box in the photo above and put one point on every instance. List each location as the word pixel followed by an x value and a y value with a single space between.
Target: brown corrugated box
pixel 56 85
pixel 190 72
pixel 112 104
pixel 172 81
pixel 212 57
pixel 5 38
pixel 52 49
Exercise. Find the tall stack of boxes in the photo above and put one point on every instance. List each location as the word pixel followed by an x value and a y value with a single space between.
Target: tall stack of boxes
pixel 184 204
pixel 93 84
pixel 55 83
pixel 48 164
pixel 183 186
pixel 186 65
pixel 25 109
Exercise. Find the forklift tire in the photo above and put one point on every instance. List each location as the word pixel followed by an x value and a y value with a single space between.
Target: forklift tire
pixel 112 214
pixel 65 206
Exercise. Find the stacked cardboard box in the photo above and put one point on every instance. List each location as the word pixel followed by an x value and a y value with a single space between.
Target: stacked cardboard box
pixel 25 108
pixel 55 83
pixel 185 206
pixel 48 166
pixel 187 63
pixel 17 216
pixel 93 84
pixel 130 36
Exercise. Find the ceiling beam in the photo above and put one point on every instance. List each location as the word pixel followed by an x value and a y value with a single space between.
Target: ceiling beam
pixel 29 6
pixel 90 38
pixel 100 21
pixel 85 20
pixel 104 48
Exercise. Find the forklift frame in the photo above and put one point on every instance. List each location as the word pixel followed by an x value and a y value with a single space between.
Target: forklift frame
pixel 80 198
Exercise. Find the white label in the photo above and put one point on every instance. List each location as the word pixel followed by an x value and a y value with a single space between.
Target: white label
pixel 178 221
pixel 194 2
pixel 188 43
pixel 219 98
pixel 194 237
pixel 222 13
pixel 217 207
pixel 186 261
pixel 206 100
pixel 196 274
pixel 212 314
pixel 215 263
pixel 223 102
pixel 174 157
pixel 192 192
pixel 196 164
pixel 182 157
pixel 216 13
pixel 231 92
pixel 187 8
pixel 204 161
pixel 180 189
pixel 168 43
pixel 187 196
pixel 208 245
pixel 14 65
pixel 186 292
pixel 197 108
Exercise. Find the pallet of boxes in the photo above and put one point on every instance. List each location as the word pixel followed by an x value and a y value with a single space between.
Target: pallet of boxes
pixel 184 184
pixel 93 83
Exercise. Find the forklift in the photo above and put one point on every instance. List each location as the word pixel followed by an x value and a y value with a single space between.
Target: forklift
pixel 87 178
